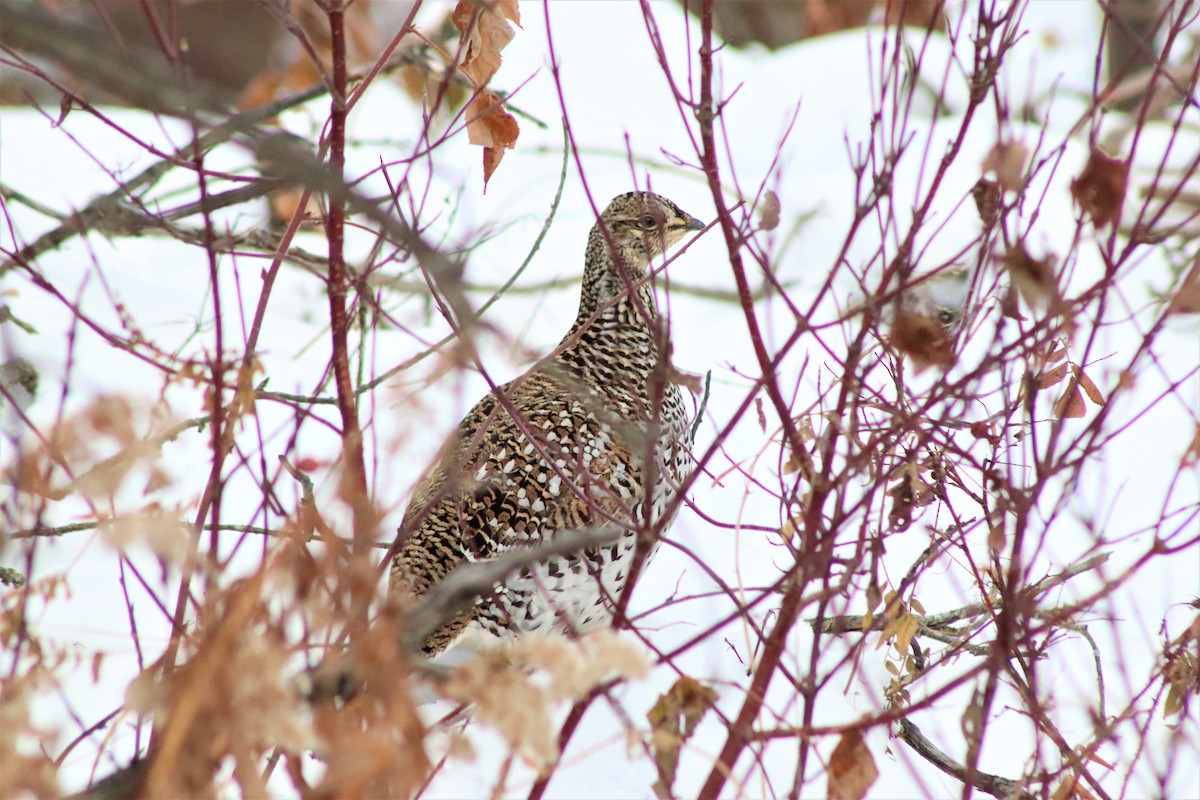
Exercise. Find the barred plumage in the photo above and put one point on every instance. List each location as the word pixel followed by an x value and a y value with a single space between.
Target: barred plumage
pixel 584 424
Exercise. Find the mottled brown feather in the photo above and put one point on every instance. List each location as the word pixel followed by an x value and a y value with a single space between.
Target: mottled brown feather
pixel 583 426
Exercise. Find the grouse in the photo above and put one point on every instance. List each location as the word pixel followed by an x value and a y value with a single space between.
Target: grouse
pixel 592 437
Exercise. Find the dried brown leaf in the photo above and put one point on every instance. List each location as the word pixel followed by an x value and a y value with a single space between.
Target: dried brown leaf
pixel 1089 387
pixel 768 211
pixel 1007 160
pixel 1191 456
pixel 1100 188
pixel 905 632
pixel 489 125
pixel 1052 376
pixel 1033 277
pixel 1070 405
pixel 997 539
pixel 261 90
pixel 673 719
pixel 1009 306
pixel 987 195
pixel 419 82
pixel 688 380
pixel 923 340
pixel 1187 297
pixel 927 14
pixel 873 596
pixel 1072 789
pixel 485 32
pixel 852 769
pixel 830 16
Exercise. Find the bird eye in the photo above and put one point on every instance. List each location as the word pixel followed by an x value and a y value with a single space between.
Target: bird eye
pixel 947 316
pixel 648 222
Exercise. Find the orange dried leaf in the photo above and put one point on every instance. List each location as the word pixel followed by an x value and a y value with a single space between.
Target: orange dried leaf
pixel 1095 759
pixel 905 632
pixel 485 32
pixel 1070 405
pixel 852 769
pixel 492 156
pixel 261 90
pixel 302 74
pixel 489 125
pixel 1071 789
pixel 1089 387
pixel 1100 188
pixel 790 526
pixel 285 204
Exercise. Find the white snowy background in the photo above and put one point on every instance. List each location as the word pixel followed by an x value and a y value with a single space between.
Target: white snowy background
pixel 618 104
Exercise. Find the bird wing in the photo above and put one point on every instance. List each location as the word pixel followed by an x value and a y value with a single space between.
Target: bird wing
pixel 506 482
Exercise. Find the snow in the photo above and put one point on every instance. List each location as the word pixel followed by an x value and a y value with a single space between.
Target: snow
pixel 627 132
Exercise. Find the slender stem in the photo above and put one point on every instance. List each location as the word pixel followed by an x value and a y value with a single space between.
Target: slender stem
pixel 739 731
pixel 354 476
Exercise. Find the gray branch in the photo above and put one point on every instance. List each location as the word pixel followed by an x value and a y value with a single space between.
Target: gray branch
pixel 468 582
pixel 853 623
pixel 987 783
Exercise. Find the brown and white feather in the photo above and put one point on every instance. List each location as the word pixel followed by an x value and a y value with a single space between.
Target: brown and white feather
pixel 579 441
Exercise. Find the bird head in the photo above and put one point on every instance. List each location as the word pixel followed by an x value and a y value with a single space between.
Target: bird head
pixel 635 228
pixel 642 226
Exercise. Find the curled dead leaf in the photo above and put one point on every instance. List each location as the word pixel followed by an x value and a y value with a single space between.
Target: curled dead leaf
pixel 986 194
pixel 485 32
pixel 997 539
pixel 1009 306
pixel 852 769
pixel 1034 278
pixel 1100 188
pixel 489 125
pixel 673 719
pixel 922 339
pixel 1070 405
pixel 909 493
pixel 1089 387
pixel 1007 160
pixel 768 211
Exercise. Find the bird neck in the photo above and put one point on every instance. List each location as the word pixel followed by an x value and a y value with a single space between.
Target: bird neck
pixel 615 342
pixel 606 299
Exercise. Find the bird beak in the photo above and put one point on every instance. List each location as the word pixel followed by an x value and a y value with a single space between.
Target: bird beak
pixel 694 224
